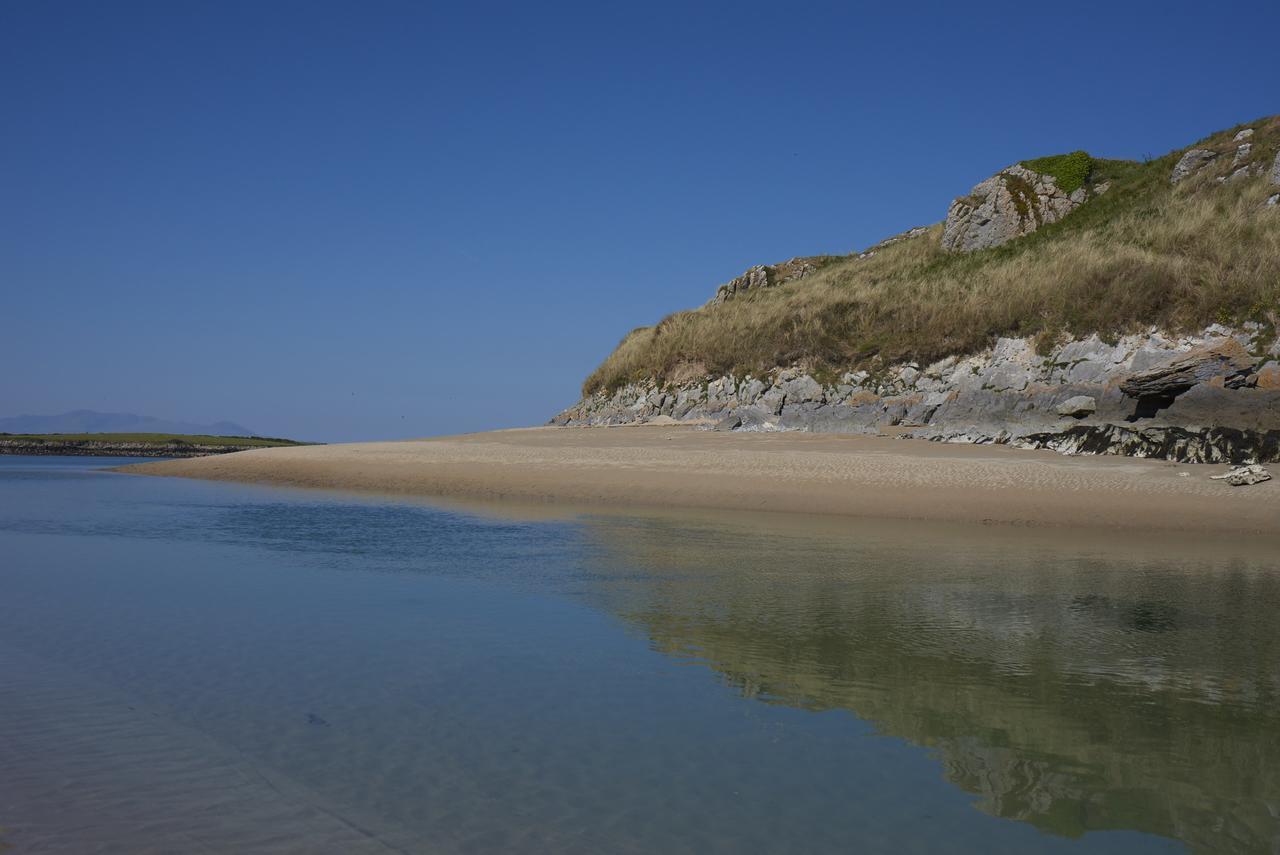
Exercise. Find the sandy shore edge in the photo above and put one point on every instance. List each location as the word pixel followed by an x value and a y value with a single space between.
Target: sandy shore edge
pixel 681 467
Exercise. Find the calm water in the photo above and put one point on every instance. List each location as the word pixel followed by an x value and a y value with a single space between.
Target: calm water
pixel 191 665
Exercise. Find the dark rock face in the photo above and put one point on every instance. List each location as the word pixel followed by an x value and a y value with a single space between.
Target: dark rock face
pixel 1212 397
pixel 1204 445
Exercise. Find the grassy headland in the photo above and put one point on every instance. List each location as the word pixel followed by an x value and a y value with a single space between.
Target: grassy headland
pixel 1143 253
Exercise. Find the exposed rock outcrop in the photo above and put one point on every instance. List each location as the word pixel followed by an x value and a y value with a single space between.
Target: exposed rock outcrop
pixel 917 231
pixel 1243 476
pixel 755 277
pixel 768 276
pixel 1077 407
pixel 1197 398
pixel 1014 202
pixel 1227 360
pixel 1191 162
pixel 773 275
pixel 1186 445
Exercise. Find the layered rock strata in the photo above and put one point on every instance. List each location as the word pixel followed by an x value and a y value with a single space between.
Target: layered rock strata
pixel 1209 397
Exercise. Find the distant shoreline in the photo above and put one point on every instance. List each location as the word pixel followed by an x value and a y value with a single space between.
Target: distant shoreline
pixel 682 467
pixel 132 445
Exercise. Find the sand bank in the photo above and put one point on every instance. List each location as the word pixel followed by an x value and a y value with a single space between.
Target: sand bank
pixel 678 466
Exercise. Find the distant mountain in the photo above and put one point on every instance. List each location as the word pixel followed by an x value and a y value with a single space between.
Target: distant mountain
pixel 88 421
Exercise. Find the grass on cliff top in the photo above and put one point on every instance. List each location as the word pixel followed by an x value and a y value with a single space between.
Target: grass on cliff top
pixel 152 439
pixel 1071 171
pixel 1144 253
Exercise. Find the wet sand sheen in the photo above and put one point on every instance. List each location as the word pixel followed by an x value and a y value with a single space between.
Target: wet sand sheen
pixel 877 477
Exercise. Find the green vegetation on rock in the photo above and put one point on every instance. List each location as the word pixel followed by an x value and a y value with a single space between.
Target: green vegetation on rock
pixel 1071 171
pixel 1023 195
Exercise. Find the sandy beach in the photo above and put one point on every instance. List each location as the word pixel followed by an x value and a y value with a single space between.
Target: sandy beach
pixel 678 466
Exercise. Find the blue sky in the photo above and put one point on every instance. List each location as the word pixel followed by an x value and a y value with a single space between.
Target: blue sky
pixel 353 220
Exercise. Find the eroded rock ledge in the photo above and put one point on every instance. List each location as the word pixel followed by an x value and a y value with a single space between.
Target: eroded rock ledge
pixel 1209 397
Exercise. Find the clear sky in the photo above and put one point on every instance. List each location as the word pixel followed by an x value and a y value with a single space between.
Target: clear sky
pixel 383 219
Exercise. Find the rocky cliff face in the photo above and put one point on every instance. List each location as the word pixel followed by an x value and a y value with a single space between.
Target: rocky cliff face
pixel 1209 397
pixel 1014 202
pixel 1212 396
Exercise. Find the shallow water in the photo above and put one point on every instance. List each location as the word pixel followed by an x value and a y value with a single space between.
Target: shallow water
pixel 208 667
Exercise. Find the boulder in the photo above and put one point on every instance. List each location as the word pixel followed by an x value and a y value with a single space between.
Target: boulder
pixel 750 390
pixel 1243 135
pixel 1191 163
pixel 772 400
pixel 1243 476
pixel 1014 202
pixel 1226 359
pixel 1268 376
pixel 1275 170
pixel 729 422
pixel 1077 407
pixel 803 389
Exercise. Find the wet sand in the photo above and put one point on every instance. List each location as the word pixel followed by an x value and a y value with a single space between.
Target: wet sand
pixel 682 467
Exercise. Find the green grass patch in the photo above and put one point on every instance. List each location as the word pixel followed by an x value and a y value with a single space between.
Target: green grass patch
pixel 1070 170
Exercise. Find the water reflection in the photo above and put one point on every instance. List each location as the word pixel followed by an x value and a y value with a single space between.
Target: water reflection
pixel 1075 687
pixel 485 684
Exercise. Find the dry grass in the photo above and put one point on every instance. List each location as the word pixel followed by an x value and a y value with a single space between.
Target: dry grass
pixel 1145 253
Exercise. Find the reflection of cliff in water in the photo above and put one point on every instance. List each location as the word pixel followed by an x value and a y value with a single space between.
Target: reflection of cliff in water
pixel 1073 688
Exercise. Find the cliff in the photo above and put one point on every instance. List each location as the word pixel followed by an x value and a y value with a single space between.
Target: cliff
pixel 1068 302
